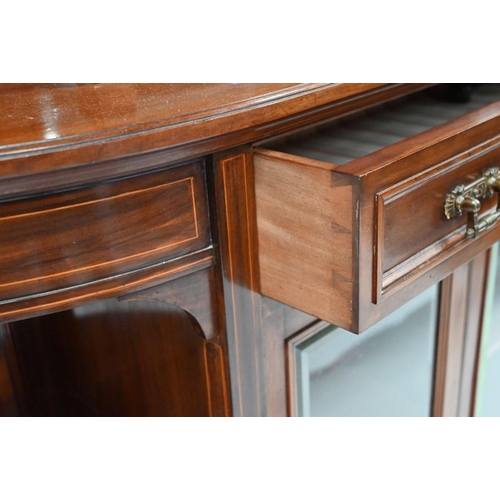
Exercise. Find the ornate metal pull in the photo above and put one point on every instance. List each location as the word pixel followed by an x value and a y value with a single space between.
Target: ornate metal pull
pixel 466 199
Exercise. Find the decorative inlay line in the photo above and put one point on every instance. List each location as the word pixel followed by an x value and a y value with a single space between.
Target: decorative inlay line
pixel 114 261
pixel 231 272
pixel 112 290
pixel 235 171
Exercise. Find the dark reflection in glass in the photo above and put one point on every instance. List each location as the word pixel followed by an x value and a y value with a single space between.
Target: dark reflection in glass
pixel 386 371
pixel 488 386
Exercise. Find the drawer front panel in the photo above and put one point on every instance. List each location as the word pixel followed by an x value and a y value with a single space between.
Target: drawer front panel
pixel 62 240
pixel 412 232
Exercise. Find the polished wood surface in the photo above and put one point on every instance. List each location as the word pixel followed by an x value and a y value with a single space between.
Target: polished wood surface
pixel 102 240
pixel 59 113
pixel 351 242
pixel 66 298
pixel 280 322
pixel 476 290
pixel 305 224
pixel 256 326
pixel 463 296
pixel 55 117
pixel 64 113
pixel 9 404
pixel 400 252
pixel 156 306
pixel 190 293
pixel 97 232
pixel 233 181
pixel 48 129
pixel 449 354
pixel 136 358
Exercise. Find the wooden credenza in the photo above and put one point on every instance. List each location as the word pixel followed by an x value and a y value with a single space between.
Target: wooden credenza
pixel 164 246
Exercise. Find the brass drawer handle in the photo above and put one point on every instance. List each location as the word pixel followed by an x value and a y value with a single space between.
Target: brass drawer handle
pixel 466 199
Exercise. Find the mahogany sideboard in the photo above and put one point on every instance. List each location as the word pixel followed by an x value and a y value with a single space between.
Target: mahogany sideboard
pixel 166 247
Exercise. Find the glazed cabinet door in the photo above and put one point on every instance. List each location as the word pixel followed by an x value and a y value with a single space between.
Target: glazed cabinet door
pixel 386 371
pixel 421 360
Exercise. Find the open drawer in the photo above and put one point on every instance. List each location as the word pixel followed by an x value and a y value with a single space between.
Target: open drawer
pixel 356 217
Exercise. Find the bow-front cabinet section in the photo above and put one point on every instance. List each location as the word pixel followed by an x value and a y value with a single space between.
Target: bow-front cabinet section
pixel 249 250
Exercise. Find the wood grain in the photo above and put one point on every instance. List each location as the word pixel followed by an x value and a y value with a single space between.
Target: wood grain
pixel 62 240
pixel 478 274
pixel 9 396
pixel 64 148
pixel 418 203
pixel 306 225
pixel 61 135
pixel 280 322
pixel 193 293
pixel 197 295
pixel 66 298
pixel 239 267
pixel 351 243
pixel 135 358
pixel 462 303
pixel 451 333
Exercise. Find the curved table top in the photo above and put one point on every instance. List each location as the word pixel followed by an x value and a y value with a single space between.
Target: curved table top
pixel 48 129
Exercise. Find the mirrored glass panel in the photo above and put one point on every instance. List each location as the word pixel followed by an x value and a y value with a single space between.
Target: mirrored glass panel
pixel 488 380
pixel 386 371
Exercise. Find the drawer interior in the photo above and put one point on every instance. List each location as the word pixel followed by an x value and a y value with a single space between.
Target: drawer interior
pixel 364 133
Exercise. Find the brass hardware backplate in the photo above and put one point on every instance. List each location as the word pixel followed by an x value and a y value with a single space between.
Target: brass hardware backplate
pixel 479 189
pixel 465 198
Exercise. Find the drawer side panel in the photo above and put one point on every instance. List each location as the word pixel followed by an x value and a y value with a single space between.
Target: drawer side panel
pixel 305 230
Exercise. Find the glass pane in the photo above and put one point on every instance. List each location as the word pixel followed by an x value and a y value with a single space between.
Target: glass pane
pixel 488 386
pixel 386 371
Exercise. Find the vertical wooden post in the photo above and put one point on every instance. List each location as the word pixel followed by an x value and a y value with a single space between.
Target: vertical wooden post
pixel 234 190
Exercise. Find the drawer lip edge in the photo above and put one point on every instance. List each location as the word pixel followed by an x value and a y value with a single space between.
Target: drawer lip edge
pixel 143 277
pixel 387 155
pixel 465 124
pixel 295 159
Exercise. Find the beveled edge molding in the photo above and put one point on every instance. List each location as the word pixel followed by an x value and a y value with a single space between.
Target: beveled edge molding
pixel 109 287
pixel 291 366
pixel 169 122
pixel 194 138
